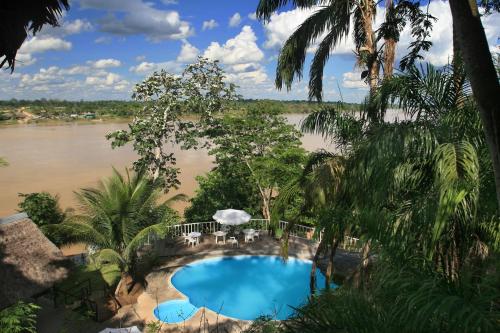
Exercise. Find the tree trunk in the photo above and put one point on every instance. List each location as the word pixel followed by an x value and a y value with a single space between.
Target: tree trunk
pixel 124 286
pixel 390 46
pixel 373 64
pixel 266 212
pixel 156 174
pixel 312 279
pixel 329 267
pixel 365 261
pixel 478 64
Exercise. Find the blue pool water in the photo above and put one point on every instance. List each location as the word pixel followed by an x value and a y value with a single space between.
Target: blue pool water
pixel 246 287
pixel 175 311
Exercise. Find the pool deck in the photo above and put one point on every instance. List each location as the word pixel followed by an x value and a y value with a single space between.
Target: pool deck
pixel 175 254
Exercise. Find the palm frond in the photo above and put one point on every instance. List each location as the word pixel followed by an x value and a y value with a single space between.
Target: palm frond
pixel 266 8
pixel 110 256
pixel 292 55
pixel 157 231
pixel 23 16
pixel 333 124
pixel 71 232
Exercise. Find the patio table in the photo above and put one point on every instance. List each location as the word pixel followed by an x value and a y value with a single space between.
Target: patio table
pixel 248 232
pixel 194 234
pixel 222 234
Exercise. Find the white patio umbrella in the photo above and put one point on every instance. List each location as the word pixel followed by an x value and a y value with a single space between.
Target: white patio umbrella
pixel 232 217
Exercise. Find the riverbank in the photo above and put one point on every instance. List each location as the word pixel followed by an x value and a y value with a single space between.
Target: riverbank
pixel 53 111
pixel 63 157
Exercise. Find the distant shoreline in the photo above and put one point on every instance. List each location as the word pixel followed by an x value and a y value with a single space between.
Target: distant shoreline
pixel 55 112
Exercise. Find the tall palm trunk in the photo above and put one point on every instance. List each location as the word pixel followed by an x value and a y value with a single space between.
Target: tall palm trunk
pixel 371 45
pixel 478 64
pixel 373 65
pixel 312 280
pixel 390 46
pixel 329 267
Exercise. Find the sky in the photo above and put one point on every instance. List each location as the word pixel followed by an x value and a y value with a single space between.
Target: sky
pixel 103 48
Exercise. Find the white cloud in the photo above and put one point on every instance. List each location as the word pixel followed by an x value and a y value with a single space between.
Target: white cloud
pixel 24 59
pixel 170 2
pixel 241 57
pixel 108 80
pixel 76 82
pixel 74 27
pixel 240 49
pixel 353 80
pixel 145 67
pixel 105 63
pixel 235 20
pixel 137 17
pixel 102 40
pixel 252 16
pixel 209 25
pixel 188 53
pixel 39 44
pixel 140 58
pixel 67 28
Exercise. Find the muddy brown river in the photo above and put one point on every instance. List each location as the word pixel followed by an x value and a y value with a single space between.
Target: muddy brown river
pixel 61 159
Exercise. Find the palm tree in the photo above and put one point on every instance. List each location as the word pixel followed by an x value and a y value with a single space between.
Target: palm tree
pixel 323 188
pixel 22 16
pixel 390 43
pixel 333 18
pixel 117 218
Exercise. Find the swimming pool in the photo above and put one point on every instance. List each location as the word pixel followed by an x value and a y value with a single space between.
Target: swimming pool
pixel 246 287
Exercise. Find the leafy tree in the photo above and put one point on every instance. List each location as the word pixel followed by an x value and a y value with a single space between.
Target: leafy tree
pixel 166 99
pixel 19 318
pixel 42 208
pixel 416 193
pixel 117 218
pixel 471 42
pixel 222 188
pixel 260 140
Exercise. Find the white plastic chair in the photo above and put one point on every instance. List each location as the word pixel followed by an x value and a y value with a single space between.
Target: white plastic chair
pixel 249 237
pixel 193 241
pixel 186 237
pixel 256 234
pixel 233 241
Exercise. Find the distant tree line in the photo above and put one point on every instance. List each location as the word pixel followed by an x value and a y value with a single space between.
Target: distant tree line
pixel 55 109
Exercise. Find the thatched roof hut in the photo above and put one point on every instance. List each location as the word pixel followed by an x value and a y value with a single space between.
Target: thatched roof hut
pixel 29 262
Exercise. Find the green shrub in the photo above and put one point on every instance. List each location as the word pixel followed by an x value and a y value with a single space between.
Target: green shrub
pixel 19 318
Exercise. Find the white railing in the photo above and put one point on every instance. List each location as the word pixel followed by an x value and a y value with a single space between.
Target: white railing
pixel 306 232
pixel 297 231
pixel 210 227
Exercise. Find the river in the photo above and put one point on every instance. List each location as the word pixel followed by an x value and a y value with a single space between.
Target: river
pixel 61 159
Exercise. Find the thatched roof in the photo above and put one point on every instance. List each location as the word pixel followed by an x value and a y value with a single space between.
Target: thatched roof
pixel 29 262
pixel 18 17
